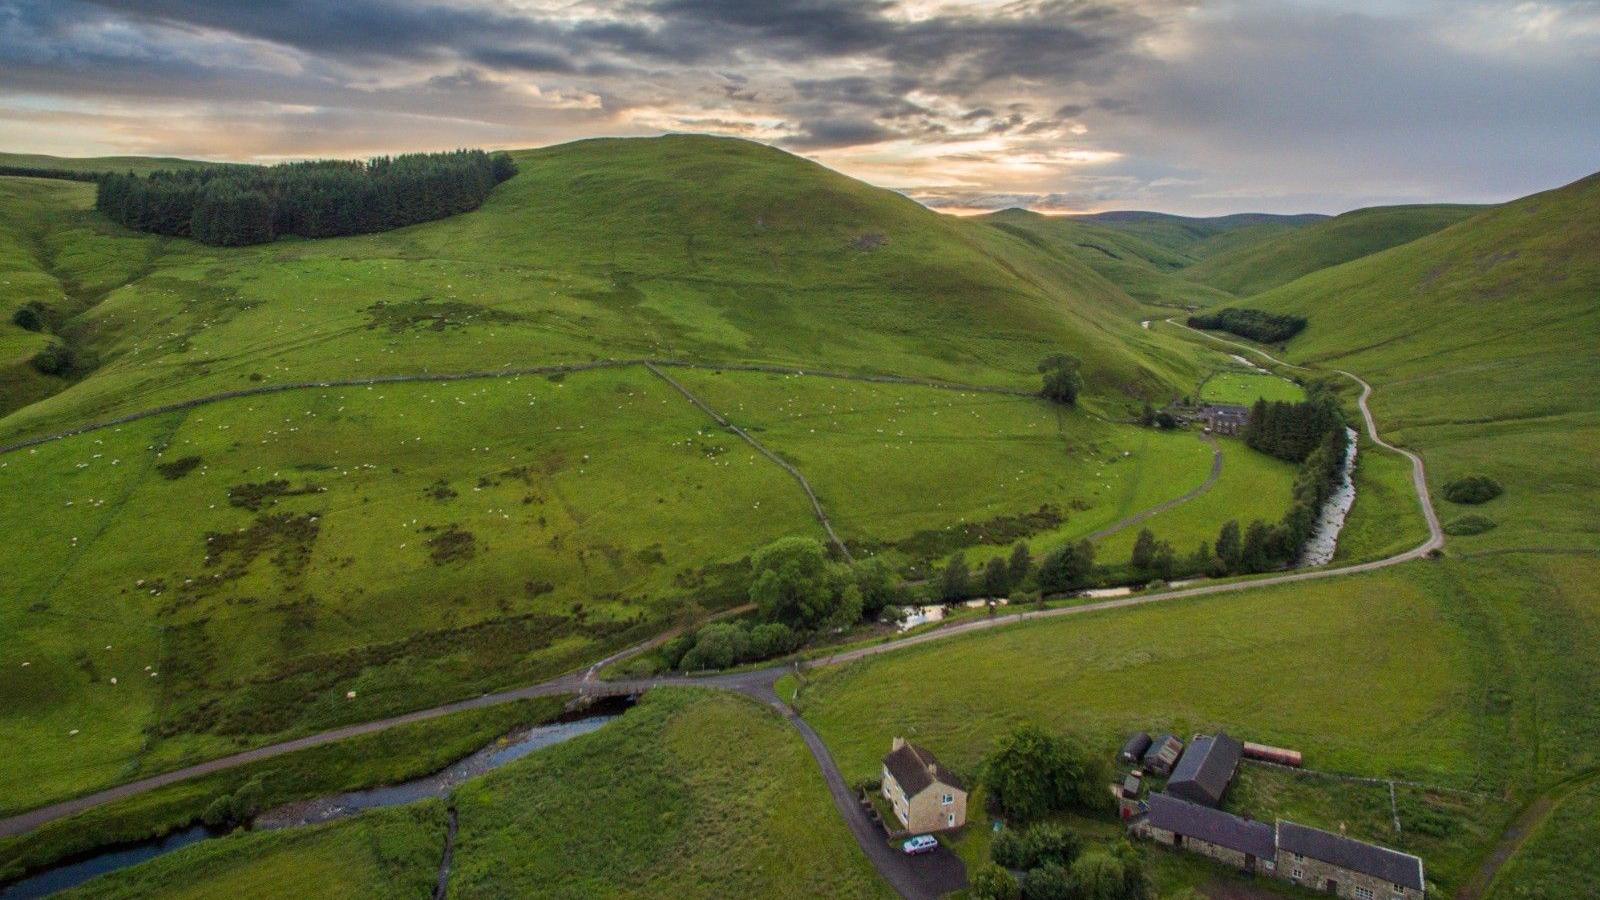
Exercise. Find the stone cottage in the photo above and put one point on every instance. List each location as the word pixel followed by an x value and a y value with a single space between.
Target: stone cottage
pixel 925 795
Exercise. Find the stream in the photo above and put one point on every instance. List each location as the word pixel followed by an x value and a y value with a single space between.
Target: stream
pixel 508 749
pixel 1324 538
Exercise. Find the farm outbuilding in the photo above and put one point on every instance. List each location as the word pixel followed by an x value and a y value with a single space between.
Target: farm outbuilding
pixel 1162 754
pixel 1206 769
pixel 1133 751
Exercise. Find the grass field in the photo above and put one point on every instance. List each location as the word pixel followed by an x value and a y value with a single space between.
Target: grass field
pixel 918 473
pixel 412 543
pixel 1245 388
pixel 388 757
pixel 1559 859
pixel 690 794
pixel 387 853
pixel 1252 486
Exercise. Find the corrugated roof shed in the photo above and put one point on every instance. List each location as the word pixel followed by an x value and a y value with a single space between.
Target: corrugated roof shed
pixel 915 768
pixel 1212 825
pixel 1205 769
pixel 1163 753
pixel 1348 853
pixel 1134 749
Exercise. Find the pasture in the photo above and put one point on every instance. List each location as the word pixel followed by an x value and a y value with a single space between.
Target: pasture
pixel 654 805
pixel 408 543
pixel 1244 388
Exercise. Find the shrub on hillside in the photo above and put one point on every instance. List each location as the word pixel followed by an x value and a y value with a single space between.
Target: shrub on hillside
pixel 1472 490
pixel 29 317
pixel 1468 525
pixel 55 359
pixel 1062 381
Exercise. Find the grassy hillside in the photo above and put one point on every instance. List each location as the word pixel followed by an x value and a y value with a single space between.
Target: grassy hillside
pixel 136 164
pixel 1147 269
pixel 1480 342
pixel 1251 269
pixel 1199 237
pixel 687 247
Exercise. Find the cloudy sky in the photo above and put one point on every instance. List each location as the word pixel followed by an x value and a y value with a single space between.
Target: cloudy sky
pixel 1061 105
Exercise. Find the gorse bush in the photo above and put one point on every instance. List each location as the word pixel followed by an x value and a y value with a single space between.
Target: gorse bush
pixel 238 205
pixel 1472 489
pixel 1268 328
pixel 1467 525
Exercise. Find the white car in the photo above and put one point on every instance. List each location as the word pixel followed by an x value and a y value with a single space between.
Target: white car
pixel 922 843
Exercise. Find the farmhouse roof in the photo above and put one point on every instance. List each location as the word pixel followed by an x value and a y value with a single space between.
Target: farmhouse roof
pixel 1347 853
pixel 914 768
pixel 1165 744
pixel 1211 825
pixel 1205 769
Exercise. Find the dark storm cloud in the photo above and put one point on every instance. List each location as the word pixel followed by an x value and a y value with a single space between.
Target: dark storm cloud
pixel 838 133
pixel 1202 106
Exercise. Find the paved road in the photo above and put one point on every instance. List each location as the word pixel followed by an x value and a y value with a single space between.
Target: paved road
pixel 909 879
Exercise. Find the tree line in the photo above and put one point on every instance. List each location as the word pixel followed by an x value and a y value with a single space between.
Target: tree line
pixel 62 174
pixel 1255 324
pixel 230 205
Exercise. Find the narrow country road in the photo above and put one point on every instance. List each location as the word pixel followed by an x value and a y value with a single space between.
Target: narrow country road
pixel 906 877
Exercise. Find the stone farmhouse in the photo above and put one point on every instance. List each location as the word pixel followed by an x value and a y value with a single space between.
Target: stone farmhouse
pixel 924 794
pixel 1186 817
pixel 1310 857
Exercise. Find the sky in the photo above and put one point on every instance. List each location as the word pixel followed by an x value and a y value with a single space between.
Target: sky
pixel 1190 107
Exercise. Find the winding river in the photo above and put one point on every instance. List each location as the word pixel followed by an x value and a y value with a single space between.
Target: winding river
pixel 1324 540
pixel 503 751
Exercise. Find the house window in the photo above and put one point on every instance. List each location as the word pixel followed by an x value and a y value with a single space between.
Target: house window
pixel 1298 873
pixel 947 799
pixel 903 819
pixel 1363 893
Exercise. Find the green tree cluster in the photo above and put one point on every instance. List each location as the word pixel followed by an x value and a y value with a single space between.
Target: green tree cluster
pixel 239 205
pixel 1265 327
pixel 1292 431
pixel 1031 773
pixel 1062 379
pixel 798 591
pixel 1472 489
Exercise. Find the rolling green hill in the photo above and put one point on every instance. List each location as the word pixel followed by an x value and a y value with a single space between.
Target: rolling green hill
pixel 1199 237
pixel 685 247
pixel 1256 267
pixel 136 164
pixel 1149 270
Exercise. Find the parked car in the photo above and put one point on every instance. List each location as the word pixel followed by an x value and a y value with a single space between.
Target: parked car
pixel 922 843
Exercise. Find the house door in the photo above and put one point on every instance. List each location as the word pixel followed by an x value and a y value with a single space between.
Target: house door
pixel 950 819
pixel 1333 886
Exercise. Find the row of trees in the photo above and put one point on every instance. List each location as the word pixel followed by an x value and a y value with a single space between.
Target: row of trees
pixel 1268 328
pixel 238 205
pixel 1064 569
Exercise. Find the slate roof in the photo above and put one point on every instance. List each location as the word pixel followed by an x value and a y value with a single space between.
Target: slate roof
pixel 1134 749
pixel 910 766
pixel 1166 742
pixel 1212 825
pixel 1347 853
pixel 1205 769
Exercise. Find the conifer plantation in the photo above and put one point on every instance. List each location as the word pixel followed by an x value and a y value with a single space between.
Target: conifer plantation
pixel 233 206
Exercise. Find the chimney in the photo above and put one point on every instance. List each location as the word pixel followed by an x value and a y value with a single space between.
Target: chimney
pixel 898 743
